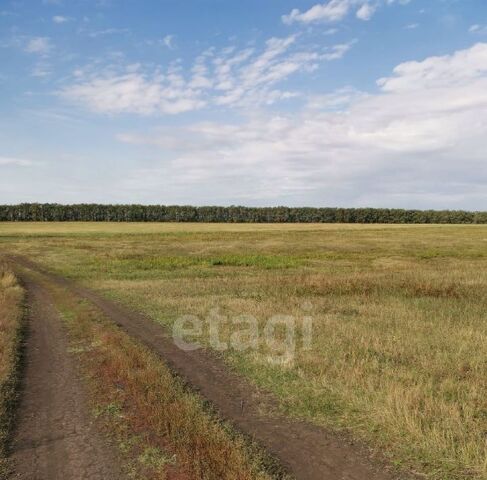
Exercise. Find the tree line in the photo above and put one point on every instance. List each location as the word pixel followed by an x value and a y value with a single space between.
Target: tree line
pixel 49 212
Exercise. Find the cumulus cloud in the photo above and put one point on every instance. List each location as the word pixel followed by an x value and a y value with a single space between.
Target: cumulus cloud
pixel 434 72
pixel 228 77
pixel 420 140
pixel 337 10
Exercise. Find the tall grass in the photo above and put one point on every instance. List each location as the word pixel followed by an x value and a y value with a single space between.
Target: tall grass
pixel 11 298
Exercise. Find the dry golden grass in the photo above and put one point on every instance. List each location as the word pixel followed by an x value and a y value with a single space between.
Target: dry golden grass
pixel 124 228
pixel 162 429
pixel 11 297
pixel 399 353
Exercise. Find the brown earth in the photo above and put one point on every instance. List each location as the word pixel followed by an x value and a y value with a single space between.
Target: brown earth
pixel 308 452
pixel 55 438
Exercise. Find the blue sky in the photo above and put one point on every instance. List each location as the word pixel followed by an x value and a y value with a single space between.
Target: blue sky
pixel 265 102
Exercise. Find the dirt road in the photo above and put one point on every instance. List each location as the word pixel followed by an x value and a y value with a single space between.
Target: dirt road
pixel 307 451
pixel 55 438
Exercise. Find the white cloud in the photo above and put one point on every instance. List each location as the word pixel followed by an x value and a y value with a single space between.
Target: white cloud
pixel 135 93
pixel 332 11
pixel 168 41
pixel 366 11
pixel 227 77
pixel 18 162
pixel 337 10
pixel 435 72
pixel 60 19
pixel 478 29
pixel 420 141
pixel 109 31
pixel 337 51
pixel 39 45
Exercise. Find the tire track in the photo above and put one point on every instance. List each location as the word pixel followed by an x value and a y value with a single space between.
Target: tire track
pixel 55 438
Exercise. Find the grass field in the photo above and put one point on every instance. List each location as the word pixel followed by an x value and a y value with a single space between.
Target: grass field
pixel 11 298
pixel 161 429
pixel 399 346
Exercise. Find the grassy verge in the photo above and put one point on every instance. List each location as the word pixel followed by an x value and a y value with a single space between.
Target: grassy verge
pixel 11 313
pixel 162 429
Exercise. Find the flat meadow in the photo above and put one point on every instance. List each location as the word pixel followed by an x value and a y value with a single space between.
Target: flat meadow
pixel 397 356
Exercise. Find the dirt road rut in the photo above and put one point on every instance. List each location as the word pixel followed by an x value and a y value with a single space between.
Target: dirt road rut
pixel 55 438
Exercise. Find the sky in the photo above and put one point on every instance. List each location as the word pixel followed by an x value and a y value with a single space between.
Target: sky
pixel 350 103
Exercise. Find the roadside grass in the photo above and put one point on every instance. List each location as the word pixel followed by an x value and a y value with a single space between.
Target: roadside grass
pixel 399 352
pixel 162 429
pixel 11 314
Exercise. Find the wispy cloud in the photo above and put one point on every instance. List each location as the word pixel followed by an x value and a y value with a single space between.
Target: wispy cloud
pixel 41 70
pixel 337 10
pixel 168 41
pixel 109 31
pixel 60 19
pixel 478 29
pixel 18 162
pixel 38 45
pixel 226 77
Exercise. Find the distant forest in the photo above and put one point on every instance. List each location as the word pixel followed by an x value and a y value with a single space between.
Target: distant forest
pixel 48 212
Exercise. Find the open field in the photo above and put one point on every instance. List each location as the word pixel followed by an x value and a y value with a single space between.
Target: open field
pixel 162 429
pixel 398 356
